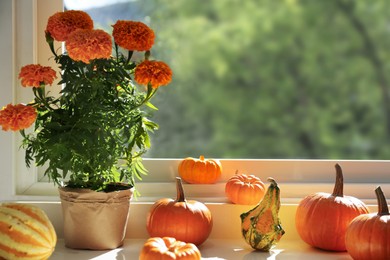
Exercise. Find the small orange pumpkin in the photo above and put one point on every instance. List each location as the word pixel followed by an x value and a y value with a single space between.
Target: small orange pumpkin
pixel 167 248
pixel 322 219
pixel 367 236
pixel 244 189
pixel 189 221
pixel 25 232
pixel 200 171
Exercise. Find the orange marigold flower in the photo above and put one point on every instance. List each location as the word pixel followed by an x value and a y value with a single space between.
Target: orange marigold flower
pixel 34 75
pixel 61 24
pixel 134 36
pixel 85 45
pixel 157 73
pixel 17 117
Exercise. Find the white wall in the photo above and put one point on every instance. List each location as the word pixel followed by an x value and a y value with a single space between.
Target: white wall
pixel 6 82
pixel 22 42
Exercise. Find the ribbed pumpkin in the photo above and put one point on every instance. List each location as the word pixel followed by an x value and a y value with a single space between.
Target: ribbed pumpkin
pixel 189 221
pixel 322 218
pixel 166 248
pixel 368 235
pixel 200 171
pixel 25 232
pixel 244 189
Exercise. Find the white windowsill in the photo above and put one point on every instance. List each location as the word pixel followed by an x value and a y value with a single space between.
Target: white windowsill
pixel 212 249
pixel 296 178
pixel 224 242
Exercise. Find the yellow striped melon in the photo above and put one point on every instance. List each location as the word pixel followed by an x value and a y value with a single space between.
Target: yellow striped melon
pixel 25 232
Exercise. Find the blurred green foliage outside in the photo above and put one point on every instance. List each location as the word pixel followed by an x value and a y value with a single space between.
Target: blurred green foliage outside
pixel 269 79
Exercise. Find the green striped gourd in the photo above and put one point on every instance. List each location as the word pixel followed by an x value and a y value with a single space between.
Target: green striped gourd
pixel 261 226
pixel 25 232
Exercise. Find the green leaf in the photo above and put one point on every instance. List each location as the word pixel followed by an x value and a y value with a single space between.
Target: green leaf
pixel 151 105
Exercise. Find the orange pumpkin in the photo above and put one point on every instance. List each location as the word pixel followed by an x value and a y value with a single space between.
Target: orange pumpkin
pixel 200 171
pixel 189 221
pixel 322 218
pixel 25 232
pixel 368 235
pixel 167 248
pixel 244 189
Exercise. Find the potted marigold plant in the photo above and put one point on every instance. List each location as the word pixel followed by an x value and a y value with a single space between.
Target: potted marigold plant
pixel 92 136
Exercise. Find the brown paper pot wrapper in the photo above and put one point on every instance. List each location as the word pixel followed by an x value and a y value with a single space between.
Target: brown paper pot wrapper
pixel 94 220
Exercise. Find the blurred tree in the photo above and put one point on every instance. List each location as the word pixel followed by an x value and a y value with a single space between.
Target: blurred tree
pixel 272 79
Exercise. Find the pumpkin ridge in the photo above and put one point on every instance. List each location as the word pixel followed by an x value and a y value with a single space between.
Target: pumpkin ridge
pixel 14 230
pixel 312 218
pixel 23 238
pixel 28 211
pixel 24 215
pixel 368 227
pixel 315 202
pixel 10 252
pixel 194 169
pixel 387 236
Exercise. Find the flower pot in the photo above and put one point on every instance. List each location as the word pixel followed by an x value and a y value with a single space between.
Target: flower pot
pixel 94 220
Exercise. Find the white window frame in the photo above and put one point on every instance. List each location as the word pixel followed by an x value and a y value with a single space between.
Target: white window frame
pixel 23 23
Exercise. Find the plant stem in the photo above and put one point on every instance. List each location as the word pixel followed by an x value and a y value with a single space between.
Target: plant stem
pixel 40 95
pixel 149 95
pixel 382 203
pixel 180 191
pixel 116 52
pixel 50 41
pixel 130 54
pixel 339 184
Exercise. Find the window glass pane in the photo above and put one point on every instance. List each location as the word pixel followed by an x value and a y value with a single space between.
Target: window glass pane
pixel 266 79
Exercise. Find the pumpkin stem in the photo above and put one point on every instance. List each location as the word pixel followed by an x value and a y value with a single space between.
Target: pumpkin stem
pixel 201 157
pixel 339 184
pixel 180 191
pixel 382 204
